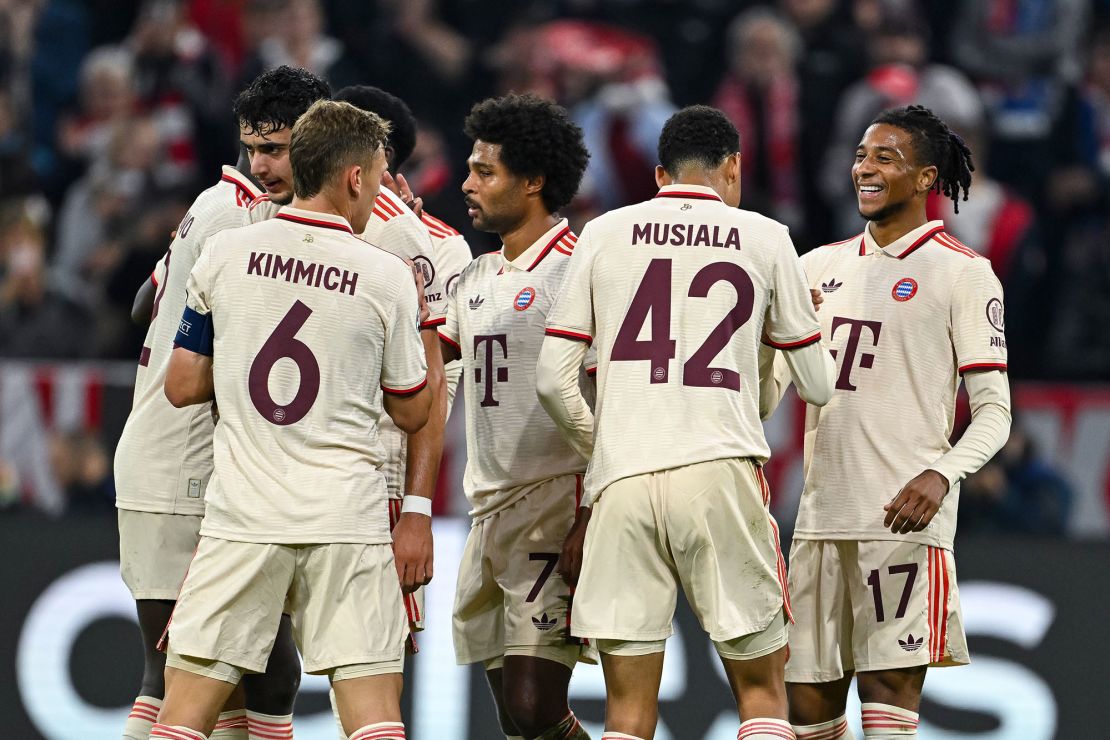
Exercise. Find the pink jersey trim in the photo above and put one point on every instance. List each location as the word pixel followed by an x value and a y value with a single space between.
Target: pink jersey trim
pixel 920 242
pixel 684 194
pixel 444 338
pixel 550 245
pixel 313 222
pixel 433 323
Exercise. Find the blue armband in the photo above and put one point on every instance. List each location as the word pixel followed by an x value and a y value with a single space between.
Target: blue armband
pixel 195 333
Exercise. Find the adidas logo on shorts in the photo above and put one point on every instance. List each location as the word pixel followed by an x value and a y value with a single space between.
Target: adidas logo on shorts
pixel 911 645
pixel 543 623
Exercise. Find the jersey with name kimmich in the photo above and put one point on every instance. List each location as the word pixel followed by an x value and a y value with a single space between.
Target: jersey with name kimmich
pixel 496 320
pixel 675 294
pixel 904 322
pixel 311 325
pixel 164 457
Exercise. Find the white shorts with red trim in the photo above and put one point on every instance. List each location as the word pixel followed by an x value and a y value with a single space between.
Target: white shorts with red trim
pixel 705 527
pixel 510 598
pixel 872 605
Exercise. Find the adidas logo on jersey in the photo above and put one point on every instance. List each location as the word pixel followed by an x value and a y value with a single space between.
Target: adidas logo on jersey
pixel 476 301
pixel 911 645
pixel 830 286
pixel 543 623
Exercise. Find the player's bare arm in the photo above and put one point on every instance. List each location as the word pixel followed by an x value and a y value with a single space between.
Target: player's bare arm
pixel 189 378
pixel 143 305
pixel 410 413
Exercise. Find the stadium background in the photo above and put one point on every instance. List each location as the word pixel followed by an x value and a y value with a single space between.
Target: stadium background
pixel 115 113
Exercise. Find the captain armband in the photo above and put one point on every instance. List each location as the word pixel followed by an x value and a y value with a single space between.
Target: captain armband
pixel 195 332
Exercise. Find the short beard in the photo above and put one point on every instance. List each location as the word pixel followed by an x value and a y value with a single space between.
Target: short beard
pixel 284 199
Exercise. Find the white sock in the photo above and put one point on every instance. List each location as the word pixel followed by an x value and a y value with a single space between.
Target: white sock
pixel 144 713
pixel 335 713
pixel 380 731
pixel 610 735
pixel 764 728
pixel 888 722
pixel 834 729
pixel 231 726
pixel 175 732
pixel 269 726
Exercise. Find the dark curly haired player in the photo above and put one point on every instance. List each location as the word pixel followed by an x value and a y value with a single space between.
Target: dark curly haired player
pixel 164 459
pixel 909 311
pixel 522 479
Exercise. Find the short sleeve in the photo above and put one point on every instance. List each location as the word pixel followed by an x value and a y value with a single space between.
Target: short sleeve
pixel 452 257
pixel 978 319
pixel 449 330
pixel 404 366
pixel 196 331
pixel 791 321
pixel 409 238
pixel 572 315
pixel 198 288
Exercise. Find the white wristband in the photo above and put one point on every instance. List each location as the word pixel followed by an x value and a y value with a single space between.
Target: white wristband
pixel 417 505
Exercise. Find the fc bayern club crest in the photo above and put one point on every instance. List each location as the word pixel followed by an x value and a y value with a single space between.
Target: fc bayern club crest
pixel 904 289
pixel 524 299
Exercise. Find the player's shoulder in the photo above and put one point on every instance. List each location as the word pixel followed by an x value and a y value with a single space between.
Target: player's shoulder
pixel 950 249
pixel 439 229
pixel 483 264
pixel 390 209
pixel 842 248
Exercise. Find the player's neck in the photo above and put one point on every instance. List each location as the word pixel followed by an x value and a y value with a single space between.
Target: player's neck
pixel 524 235
pixel 894 228
pixel 323 203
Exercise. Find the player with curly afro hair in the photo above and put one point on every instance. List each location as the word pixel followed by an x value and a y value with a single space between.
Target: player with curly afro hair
pixel 522 477
pixel 526 148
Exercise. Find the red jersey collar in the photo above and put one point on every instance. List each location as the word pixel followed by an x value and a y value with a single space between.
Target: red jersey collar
pixel 903 246
pixel 314 218
pixel 241 181
pixel 695 192
pixel 532 256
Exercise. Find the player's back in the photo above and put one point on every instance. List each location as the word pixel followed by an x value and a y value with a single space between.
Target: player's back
pixel 164 456
pixel 303 314
pixel 682 288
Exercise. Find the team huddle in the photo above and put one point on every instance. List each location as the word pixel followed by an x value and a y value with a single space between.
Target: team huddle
pixel 311 322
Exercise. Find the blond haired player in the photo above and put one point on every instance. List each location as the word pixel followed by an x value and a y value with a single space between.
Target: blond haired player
pixel 675 294
pixel 908 310
pixel 304 335
pixel 522 479
pixel 164 458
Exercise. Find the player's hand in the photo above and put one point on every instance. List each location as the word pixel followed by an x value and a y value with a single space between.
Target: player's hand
pixel 917 503
pixel 817 297
pixel 400 187
pixel 412 550
pixel 418 278
pixel 570 561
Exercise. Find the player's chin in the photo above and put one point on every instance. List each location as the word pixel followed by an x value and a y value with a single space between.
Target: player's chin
pixel 281 196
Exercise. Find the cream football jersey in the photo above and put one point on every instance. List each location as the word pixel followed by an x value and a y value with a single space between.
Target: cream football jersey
pixel 675 294
pixel 496 320
pixel 164 457
pixel 904 323
pixel 310 326
pixel 395 228
pixel 452 255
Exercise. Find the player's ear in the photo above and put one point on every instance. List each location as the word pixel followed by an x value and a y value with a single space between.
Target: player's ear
pixel 661 176
pixel 926 178
pixel 534 185
pixel 732 167
pixel 354 181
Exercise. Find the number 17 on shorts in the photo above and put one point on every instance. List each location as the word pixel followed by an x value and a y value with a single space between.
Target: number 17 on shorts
pixel 872 605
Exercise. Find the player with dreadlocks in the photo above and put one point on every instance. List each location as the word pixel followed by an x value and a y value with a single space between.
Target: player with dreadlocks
pixel 908 310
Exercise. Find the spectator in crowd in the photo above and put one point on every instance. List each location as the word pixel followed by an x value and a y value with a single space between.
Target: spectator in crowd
pixel 760 95
pixel 107 97
pixel 181 85
pixel 833 56
pixel 1023 55
pixel 900 74
pixel 298 40
pixel 35 319
pixel 83 471
pixel 1017 492
pixel 17 175
pixel 100 205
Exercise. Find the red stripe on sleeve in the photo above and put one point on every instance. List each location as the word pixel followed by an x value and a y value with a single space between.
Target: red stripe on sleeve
pixel 569 335
pixel 405 391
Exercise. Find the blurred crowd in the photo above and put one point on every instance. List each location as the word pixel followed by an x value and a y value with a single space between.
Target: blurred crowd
pixel 114 114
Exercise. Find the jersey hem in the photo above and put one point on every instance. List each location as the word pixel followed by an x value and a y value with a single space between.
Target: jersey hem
pixel 520 491
pixel 273 538
pixel 885 536
pixel 147 508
